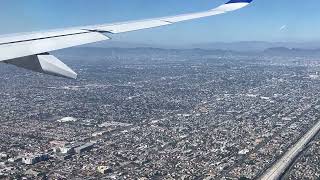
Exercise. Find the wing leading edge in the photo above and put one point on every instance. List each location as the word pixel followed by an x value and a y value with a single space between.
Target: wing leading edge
pixel 32 46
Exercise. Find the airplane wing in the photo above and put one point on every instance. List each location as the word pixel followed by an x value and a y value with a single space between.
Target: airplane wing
pixel 31 50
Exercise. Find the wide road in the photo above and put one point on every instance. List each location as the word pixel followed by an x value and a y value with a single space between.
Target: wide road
pixel 276 171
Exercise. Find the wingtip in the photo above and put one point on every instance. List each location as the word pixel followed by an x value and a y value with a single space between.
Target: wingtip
pixel 239 1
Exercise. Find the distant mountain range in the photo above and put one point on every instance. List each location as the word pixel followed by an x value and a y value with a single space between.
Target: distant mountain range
pixel 258 46
pixel 101 51
pixel 292 51
pixel 254 48
pixel 243 46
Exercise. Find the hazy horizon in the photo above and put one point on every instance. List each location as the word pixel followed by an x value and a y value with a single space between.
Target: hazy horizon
pixel 235 45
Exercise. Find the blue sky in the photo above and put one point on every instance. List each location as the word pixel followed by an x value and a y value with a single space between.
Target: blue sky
pixel 264 20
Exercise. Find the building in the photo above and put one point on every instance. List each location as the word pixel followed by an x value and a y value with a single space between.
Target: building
pixel 33 159
pixel 104 169
pixel 84 148
pixel 67 119
pixel 15 159
pixel 99 133
pixel 3 155
pixel 67 149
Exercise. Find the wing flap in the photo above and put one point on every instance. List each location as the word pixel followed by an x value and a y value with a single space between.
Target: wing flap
pixel 7 39
pixel 22 48
pixel 44 63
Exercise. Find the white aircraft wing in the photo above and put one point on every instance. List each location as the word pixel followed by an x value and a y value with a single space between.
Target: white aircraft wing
pixel 31 50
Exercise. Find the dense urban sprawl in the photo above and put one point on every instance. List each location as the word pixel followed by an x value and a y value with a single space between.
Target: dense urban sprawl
pixel 159 114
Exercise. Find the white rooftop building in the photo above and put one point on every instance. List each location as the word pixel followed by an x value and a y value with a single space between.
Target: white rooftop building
pixel 67 119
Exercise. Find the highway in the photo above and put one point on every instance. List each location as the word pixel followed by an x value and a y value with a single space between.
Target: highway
pixel 276 171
